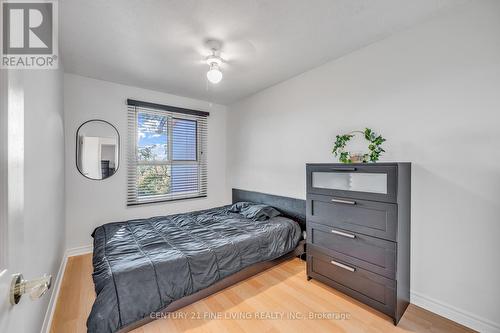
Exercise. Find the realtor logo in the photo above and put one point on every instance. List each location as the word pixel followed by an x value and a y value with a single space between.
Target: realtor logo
pixel 29 37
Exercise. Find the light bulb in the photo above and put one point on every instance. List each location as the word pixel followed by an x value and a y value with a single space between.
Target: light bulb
pixel 214 75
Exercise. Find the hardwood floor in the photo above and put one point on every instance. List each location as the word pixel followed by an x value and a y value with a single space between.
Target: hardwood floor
pixel 264 298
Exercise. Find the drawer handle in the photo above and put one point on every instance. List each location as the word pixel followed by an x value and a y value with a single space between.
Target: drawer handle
pixel 340 233
pixel 350 269
pixel 343 169
pixel 348 202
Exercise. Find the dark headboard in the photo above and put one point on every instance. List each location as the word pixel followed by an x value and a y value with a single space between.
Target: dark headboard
pixel 289 207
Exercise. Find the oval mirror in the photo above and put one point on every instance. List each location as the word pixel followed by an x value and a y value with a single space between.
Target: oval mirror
pixel 97 149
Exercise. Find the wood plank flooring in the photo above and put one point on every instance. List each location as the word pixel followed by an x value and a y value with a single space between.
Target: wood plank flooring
pixel 269 302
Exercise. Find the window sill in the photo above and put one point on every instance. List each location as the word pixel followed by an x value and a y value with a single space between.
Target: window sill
pixel 164 201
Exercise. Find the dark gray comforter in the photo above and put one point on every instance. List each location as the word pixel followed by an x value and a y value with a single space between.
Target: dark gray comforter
pixel 141 266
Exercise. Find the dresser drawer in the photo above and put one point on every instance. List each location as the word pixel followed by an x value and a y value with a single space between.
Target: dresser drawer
pixel 370 288
pixel 370 218
pixel 368 182
pixel 374 254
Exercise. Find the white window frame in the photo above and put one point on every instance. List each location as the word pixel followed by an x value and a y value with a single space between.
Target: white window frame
pixel 199 117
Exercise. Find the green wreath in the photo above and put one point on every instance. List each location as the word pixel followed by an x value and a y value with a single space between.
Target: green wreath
pixel 374 147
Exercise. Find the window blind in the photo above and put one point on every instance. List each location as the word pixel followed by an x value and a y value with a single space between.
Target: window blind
pixel 167 155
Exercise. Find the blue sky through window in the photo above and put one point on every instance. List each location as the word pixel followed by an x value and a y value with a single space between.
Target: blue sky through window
pixel 152 137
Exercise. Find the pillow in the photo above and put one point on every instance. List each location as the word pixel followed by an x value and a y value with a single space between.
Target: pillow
pixel 256 212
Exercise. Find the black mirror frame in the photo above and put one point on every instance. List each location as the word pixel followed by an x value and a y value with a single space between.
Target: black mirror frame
pixel 119 147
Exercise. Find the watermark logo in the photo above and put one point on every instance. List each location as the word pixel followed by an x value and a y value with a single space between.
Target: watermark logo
pixel 29 34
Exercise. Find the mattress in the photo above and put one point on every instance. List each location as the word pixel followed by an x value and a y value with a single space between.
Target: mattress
pixel 141 266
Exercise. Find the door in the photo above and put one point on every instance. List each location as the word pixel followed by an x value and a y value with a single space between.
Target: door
pixel 91 157
pixel 11 196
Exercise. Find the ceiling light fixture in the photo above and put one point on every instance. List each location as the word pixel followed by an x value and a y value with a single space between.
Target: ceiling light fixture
pixel 214 74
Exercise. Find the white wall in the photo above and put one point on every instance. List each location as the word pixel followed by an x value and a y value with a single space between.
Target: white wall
pixel 43 184
pixel 90 203
pixel 434 93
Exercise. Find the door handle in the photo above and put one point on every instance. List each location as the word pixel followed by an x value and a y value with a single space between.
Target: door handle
pixel 36 288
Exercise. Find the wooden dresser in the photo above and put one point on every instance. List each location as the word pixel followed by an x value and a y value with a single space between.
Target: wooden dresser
pixel 358 232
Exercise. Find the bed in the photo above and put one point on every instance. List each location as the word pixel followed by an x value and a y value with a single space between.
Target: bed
pixel 145 267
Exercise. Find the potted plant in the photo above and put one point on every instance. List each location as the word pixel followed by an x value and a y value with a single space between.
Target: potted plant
pixel 374 147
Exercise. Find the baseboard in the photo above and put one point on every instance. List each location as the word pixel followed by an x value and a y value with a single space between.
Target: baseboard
pixel 49 314
pixel 47 321
pixel 457 315
pixel 76 251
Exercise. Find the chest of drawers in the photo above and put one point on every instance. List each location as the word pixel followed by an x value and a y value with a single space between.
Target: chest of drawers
pixel 358 232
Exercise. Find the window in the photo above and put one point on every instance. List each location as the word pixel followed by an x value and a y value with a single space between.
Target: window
pixel 167 153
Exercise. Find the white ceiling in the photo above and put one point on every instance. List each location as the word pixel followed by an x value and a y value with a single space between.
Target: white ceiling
pixel 159 44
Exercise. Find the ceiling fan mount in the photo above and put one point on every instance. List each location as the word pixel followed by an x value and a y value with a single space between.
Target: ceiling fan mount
pixel 213 45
